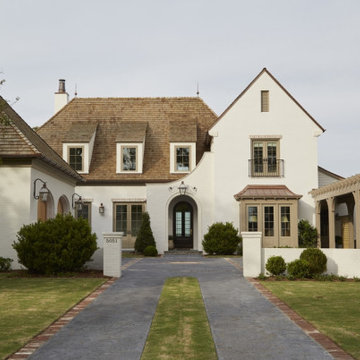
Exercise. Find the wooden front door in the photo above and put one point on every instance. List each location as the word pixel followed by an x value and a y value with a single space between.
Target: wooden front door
pixel 183 225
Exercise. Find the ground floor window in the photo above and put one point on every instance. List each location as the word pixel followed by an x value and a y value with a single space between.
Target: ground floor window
pixel 83 210
pixel 128 217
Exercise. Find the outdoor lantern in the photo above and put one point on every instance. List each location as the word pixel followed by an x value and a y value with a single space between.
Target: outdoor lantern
pixel 101 208
pixel 43 193
pixel 182 188
pixel 79 201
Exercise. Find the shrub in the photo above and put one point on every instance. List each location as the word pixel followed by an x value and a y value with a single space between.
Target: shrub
pixel 58 245
pixel 5 263
pixel 298 269
pixel 145 235
pixel 262 276
pixel 221 239
pixel 316 259
pixel 150 251
pixel 307 235
pixel 239 249
pixel 275 265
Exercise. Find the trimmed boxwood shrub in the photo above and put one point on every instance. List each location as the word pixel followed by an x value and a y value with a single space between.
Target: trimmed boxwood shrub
pixel 298 269
pixel 317 260
pixel 5 263
pixel 221 239
pixel 145 235
pixel 307 235
pixel 150 251
pixel 62 244
pixel 275 265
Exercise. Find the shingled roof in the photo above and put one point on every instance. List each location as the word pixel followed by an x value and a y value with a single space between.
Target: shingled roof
pixel 131 115
pixel 19 140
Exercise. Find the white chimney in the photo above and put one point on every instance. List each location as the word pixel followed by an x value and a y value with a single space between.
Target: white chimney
pixel 61 97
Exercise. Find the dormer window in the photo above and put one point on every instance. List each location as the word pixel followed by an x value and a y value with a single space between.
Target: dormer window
pixel 182 161
pixel 76 158
pixel 78 145
pixel 129 158
pixel 130 145
pixel 182 137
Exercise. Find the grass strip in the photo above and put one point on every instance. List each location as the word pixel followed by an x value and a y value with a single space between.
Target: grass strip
pixel 180 328
pixel 332 307
pixel 29 305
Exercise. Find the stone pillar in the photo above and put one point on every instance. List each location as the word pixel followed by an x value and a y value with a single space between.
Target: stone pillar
pixel 331 208
pixel 356 194
pixel 252 253
pixel 318 222
pixel 112 254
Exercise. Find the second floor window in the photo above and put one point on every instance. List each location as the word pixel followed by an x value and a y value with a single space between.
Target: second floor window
pixel 76 158
pixel 129 158
pixel 265 158
pixel 182 158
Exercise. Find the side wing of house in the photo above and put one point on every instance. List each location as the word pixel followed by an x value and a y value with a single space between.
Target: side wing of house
pixel 265 151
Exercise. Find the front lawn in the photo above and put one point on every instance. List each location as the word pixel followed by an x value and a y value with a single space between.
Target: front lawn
pixel 332 307
pixel 28 305
pixel 180 328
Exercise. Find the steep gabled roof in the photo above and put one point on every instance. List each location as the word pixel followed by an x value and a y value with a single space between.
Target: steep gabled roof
pixel 114 114
pixel 264 70
pixel 19 140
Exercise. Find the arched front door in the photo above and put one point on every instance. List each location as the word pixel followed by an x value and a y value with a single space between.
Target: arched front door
pixel 183 225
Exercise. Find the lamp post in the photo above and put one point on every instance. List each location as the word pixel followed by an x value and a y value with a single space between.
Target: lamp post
pixel 43 193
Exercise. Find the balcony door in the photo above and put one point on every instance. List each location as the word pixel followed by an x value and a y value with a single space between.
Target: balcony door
pixel 265 162
pixel 183 225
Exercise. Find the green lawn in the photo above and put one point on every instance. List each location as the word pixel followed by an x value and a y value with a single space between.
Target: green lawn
pixel 28 305
pixel 180 328
pixel 332 307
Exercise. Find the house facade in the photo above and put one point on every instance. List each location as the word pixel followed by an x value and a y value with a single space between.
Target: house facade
pixel 254 165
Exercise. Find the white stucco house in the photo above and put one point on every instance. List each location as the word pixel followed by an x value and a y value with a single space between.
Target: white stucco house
pixel 254 165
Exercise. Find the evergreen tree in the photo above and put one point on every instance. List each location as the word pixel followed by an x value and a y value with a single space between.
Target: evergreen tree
pixel 145 235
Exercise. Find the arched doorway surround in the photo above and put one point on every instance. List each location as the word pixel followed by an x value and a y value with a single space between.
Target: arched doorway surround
pixel 183 224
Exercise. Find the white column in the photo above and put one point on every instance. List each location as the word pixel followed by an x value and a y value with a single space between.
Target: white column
pixel 252 253
pixel 112 254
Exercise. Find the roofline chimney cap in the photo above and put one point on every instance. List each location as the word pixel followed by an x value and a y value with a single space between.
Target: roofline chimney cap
pixel 62 86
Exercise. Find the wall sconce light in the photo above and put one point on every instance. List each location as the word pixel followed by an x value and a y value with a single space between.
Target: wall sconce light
pixel 43 193
pixel 76 201
pixel 101 209
pixel 182 188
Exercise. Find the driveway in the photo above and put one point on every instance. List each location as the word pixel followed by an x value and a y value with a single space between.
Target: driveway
pixel 244 324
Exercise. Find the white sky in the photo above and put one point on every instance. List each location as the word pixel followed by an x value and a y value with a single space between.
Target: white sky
pixel 113 48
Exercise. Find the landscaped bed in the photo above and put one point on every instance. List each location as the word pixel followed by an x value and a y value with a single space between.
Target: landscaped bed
pixel 332 307
pixel 29 304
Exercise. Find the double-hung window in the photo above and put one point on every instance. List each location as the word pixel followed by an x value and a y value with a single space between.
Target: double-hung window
pixel 76 158
pixel 128 218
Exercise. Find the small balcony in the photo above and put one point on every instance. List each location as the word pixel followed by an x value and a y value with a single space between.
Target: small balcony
pixel 266 167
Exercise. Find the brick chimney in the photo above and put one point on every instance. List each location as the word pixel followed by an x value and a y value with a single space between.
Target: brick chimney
pixel 61 96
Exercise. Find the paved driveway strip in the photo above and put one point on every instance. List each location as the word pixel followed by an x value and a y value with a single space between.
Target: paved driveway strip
pixel 244 324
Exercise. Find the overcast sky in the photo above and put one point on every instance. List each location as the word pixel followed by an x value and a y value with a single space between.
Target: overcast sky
pixel 114 48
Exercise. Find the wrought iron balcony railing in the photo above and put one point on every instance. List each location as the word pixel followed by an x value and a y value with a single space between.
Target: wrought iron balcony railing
pixel 266 167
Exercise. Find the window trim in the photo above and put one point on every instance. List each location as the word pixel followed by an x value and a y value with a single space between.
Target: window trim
pixel 192 156
pixel 139 157
pixel 85 155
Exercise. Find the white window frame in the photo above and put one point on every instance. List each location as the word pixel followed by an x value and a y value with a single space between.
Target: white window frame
pixel 139 157
pixel 192 157
pixel 85 155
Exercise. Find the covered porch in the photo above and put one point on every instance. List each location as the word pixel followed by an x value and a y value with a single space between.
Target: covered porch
pixel 338 213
